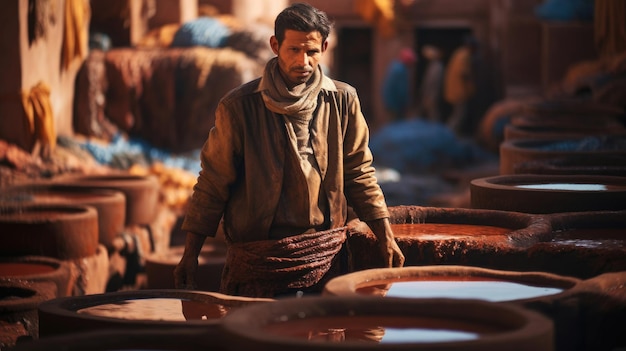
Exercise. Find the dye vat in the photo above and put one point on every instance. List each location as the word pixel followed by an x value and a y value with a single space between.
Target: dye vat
pixel 141 192
pixel 538 131
pixel 585 245
pixel 179 339
pixel 109 204
pixel 18 308
pixel 374 323
pixel 515 154
pixel 60 231
pixel 608 165
pixel 39 269
pixel 431 235
pixel 546 194
pixel 137 309
pixel 160 266
pixel 450 281
pixel 567 301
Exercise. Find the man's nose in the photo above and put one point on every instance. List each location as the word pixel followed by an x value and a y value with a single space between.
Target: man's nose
pixel 303 59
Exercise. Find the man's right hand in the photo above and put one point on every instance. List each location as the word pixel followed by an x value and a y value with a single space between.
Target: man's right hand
pixel 185 273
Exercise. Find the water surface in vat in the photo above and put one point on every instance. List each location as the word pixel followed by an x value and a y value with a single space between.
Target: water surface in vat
pixel 52 197
pixel 380 329
pixel 12 269
pixel 409 229
pixel 592 238
pixel 159 309
pixel 570 186
pixel 457 287
pixel 37 215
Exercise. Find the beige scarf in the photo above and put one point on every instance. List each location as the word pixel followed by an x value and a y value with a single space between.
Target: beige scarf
pixel 299 102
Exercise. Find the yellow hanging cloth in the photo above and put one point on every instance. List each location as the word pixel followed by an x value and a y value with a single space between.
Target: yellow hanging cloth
pixel 380 13
pixel 74 31
pixel 39 115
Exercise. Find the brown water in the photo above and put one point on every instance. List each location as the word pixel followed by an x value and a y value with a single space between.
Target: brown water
pixel 36 215
pixel 572 186
pixel 439 231
pixel 379 329
pixel 457 287
pixel 13 269
pixel 52 197
pixel 158 309
pixel 594 238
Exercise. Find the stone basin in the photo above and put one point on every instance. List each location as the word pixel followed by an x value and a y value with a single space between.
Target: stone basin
pixel 375 323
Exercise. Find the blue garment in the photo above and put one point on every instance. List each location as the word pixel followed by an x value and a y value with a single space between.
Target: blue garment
pixel 203 31
pixel 396 89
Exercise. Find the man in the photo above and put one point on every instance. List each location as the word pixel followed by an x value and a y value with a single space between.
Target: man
pixel 460 84
pixel 396 89
pixel 430 91
pixel 288 153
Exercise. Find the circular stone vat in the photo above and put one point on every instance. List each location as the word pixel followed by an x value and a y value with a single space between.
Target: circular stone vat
pixel 450 281
pixel 18 308
pixel 432 235
pixel 160 267
pixel 558 131
pixel 609 165
pixel 375 323
pixel 39 269
pixel 585 244
pixel 59 231
pixel 110 204
pixel 141 192
pixel 545 194
pixel 137 309
pixel 538 291
pixel 179 339
pixel 514 154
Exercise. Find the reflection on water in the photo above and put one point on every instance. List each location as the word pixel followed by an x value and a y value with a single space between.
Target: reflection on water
pixel 442 231
pixel 386 329
pixel 458 288
pixel 159 309
pixel 565 186
pixel 595 238
pixel 410 335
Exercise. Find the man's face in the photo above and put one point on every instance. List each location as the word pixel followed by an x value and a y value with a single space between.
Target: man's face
pixel 298 55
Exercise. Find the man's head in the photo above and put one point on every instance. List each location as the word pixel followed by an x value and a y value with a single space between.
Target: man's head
pixel 299 40
pixel 407 56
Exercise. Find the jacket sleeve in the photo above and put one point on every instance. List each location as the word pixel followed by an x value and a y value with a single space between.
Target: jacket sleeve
pixel 360 185
pixel 220 158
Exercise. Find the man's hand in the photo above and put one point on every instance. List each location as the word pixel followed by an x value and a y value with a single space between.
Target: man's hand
pixel 392 254
pixel 185 271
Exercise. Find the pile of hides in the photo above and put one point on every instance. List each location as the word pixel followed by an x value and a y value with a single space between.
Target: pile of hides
pixel 165 96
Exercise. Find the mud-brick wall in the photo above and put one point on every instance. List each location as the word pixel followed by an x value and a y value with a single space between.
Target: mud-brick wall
pixel 30 47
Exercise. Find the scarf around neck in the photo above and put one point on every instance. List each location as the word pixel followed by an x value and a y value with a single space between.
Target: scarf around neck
pixel 299 102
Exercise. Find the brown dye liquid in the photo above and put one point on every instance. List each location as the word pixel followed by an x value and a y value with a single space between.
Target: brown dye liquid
pixel 34 215
pixel 457 287
pixel 17 269
pixel 594 238
pixel 439 231
pixel 158 309
pixel 571 186
pixel 379 329
pixel 52 197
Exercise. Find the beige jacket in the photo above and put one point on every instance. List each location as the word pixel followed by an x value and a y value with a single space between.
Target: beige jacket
pixel 243 158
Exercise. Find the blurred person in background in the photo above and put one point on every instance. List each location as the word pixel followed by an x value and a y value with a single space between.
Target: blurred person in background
pixel 396 89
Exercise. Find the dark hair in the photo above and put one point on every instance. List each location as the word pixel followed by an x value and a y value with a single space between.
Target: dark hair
pixel 302 17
